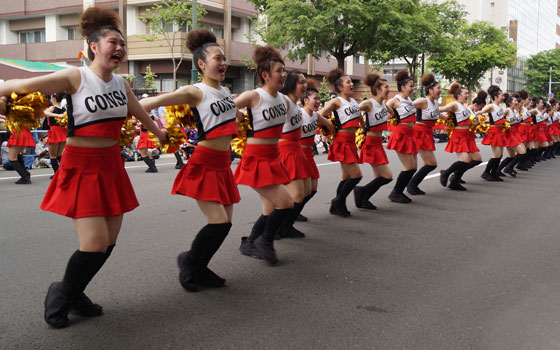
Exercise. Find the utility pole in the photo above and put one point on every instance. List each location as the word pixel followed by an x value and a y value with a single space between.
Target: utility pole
pixel 194 72
pixel 550 82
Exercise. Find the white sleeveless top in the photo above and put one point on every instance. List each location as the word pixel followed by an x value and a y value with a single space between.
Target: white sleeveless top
pixel 378 114
pixel 294 120
pixel 497 114
pixel 540 117
pixel 268 114
pixel 96 101
pixel 216 109
pixel 405 108
pixel 309 124
pixel 429 114
pixel 526 114
pixel 348 111
pixel 462 114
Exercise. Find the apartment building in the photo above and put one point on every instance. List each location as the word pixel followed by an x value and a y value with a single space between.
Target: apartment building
pixel 47 30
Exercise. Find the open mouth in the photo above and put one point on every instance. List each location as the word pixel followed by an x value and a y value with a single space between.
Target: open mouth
pixel 116 57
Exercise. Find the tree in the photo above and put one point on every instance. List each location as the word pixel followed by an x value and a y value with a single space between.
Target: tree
pixel 149 78
pixel 478 48
pixel 324 90
pixel 341 28
pixel 419 28
pixel 161 19
pixel 538 70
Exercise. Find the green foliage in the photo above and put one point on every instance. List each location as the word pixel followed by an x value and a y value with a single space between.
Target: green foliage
pixel 475 50
pixel 341 28
pixel 417 28
pixel 168 13
pixel 537 72
pixel 149 78
pixel 324 90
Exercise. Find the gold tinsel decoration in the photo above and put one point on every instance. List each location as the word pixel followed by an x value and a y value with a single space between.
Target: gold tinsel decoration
pixel 360 137
pixel 506 126
pixel 238 144
pixel 393 121
pixel 62 121
pixel 325 132
pixel 483 126
pixel 175 116
pixel 25 110
pixel 128 131
pixel 448 123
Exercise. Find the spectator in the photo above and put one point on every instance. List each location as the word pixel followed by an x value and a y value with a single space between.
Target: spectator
pixel 5 159
pixel 42 152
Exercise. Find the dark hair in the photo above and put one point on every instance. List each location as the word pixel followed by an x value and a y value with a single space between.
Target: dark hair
pixel 263 57
pixel 334 76
pixel 523 94
pixel 291 81
pixel 517 97
pixel 480 98
pixel 552 102
pixel 429 82
pixel 455 89
pixel 508 99
pixel 310 91
pixel 59 96
pixel 494 91
pixel 402 78
pixel 95 23
pixel 374 81
pixel 535 101
pixel 198 41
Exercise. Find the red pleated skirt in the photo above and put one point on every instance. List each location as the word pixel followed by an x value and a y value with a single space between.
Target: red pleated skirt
pixel 523 130
pixel 548 130
pixel 207 177
pixel 461 140
pixel 344 149
pixel 292 158
pixel 555 129
pixel 534 133
pixel 22 138
pixel 513 136
pixel 372 151
pixel 260 167
pixel 495 137
pixel 423 137
pixel 542 134
pixel 57 134
pixel 144 141
pixel 90 182
pixel 402 140
pixel 310 162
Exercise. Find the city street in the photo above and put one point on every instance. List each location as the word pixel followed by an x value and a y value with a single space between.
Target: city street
pixel 452 270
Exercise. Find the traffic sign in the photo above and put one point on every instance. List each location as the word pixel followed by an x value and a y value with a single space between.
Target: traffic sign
pixel 551 95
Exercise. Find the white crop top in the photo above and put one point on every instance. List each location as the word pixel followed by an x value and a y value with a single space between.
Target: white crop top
pixel 215 113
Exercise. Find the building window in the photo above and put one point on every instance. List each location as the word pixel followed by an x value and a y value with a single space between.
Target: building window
pixel 359 59
pixel 218 31
pixel 73 33
pixel 172 28
pixel 32 36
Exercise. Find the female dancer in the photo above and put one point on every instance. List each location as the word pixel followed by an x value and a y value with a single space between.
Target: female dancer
pixel 426 117
pixel 537 105
pixel 515 148
pixel 460 141
pixel 372 152
pixel 402 138
pixel 524 129
pixel 17 143
pixel 207 177
pixel 310 119
pixel 260 167
pixel 91 185
pixel 57 133
pixel 495 137
pixel 555 127
pixel 347 117
pixel 144 143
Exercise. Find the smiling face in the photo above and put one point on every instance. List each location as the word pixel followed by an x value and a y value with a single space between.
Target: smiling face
pixel 347 87
pixel 301 86
pixel 110 50
pixel 408 89
pixel 463 95
pixel 276 78
pixel 214 65
pixel 435 92
pixel 312 102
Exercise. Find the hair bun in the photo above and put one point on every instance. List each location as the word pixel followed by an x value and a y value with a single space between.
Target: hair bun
pixel 402 75
pixel 97 17
pixel 311 83
pixel 334 75
pixel 371 79
pixel 453 88
pixel 263 53
pixel 198 37
pixel 428 79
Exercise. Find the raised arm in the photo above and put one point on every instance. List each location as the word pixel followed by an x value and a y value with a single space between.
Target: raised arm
pixel 135 109
pixel 186 95
pixel 248 99
pixel 486 109
pixel 331 106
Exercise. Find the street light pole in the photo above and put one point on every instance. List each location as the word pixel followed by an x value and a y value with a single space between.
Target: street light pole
pixel 194 72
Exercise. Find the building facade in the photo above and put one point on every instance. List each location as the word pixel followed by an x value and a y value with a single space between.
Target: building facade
pixel 47 30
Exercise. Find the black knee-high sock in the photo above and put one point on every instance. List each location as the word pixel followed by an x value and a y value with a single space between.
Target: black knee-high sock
pixel 340 184
pixel 454 167
pixel 81 268
pixel 258 228
pixel 471 164
pixel 274 221
pixel 489 165
pixel 178 157
pixel 19 168
pixel 374 185
pixel 495 166
pixel 54 164
pixel 109 250
pixel 215 237
pixel 291 217
pixel 347 187
pixel 149 162
pixel 421 174
pixel 402 180
pixel 518 158
pixel 504 163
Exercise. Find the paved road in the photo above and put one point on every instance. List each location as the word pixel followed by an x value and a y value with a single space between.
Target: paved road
pixel 473 270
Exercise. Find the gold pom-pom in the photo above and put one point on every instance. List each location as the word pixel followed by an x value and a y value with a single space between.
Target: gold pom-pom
pixel 25 110
pixel 360 137
pixel 182 114
pixel 62 121
pixel 128 131
pixel 325 132
pixel 506 126
pixel 482 126
pixel 393 121
pixel 175 117
pixel 238 144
